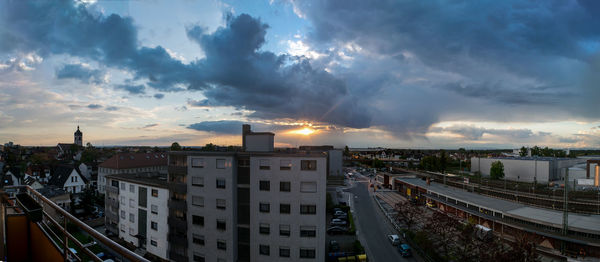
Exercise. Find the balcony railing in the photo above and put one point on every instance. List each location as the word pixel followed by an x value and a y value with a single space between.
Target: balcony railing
pixel 176 204
pixel 177 187
pixel 112 189
pixel 177 170
pixel 112 216
pixel 53 229
pixel 176 223
pixel 177 257
pixel 177 239
pixel 113 202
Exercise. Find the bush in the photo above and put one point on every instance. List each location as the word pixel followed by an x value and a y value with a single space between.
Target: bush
pixel 352 229
pixel 328 202
pixel 357 247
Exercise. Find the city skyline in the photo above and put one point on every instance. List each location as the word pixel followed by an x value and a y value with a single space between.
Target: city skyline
pixel 483 75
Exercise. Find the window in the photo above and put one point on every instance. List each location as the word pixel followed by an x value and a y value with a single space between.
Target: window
pixel 123 200
pixel 284 230
pixel 308 165
pixel 264 185
pixel 114 183
pixel 264 164
pixel 198 201
pixel 198 181
pixel 308 231
pixel 131 218
pixel 284 208
pixel 123 214
pixel 198 162
pixel 155 192
pixel 153 225
pixel 264 250
pixel 132 188
pixel 285 164
pixel 221 244
pixel 220 183
pixel 264 229
pixel 73 179
pixel 264 207
pixel 307 253
pixel 308 209
pixel 284 252
pixel 285 186
pixel 154 209
pixel 123 186
pixel 131 231
pixel 131 203
pixel 221 225
pixel 153 242
pixel 221 203
pixel 220 163
pixel 198 220
pixel 308 187
pixel 198 239
pixel 198 257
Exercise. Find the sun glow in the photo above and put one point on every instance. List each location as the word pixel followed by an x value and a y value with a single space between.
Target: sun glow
pixel 304 131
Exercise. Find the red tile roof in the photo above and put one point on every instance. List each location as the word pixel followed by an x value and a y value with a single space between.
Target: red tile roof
pixel 134 160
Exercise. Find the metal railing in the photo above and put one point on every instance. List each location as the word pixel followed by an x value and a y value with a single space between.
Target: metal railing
pixel 49 222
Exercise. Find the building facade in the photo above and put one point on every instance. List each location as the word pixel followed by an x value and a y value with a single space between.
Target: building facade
pixel 527 169
pixel 130 163
pixel 139 202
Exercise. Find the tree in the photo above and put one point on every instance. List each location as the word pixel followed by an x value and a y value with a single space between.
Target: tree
pixel 443 229
pixel 497 170
pixel 407 213
pixel 175 146
pixel 536 151
pixel 443 162
pixel 346 151
pixel 209 147
pixel 523 151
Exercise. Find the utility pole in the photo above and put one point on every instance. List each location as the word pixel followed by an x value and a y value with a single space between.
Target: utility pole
pixel 565 230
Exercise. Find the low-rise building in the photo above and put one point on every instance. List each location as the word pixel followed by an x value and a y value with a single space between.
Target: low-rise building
pixel 526 169
pixel 68 178
pixel 130 163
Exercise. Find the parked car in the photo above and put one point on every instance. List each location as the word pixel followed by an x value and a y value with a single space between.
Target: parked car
pixel 337 209
pixel 404 250
pixel 340 213
pixel 338 222
pixel 336 230
pixel 394 239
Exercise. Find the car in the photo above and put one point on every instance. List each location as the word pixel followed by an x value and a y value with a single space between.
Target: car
pixel 339 213
pixel 336 209
pixel 394 239
pixel 338 222
pixel 336 230
pixel 404 250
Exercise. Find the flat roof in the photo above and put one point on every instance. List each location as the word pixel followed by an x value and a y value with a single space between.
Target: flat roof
pixel 582 222
pixel 153 179
pixel 530 158
pixel 252 154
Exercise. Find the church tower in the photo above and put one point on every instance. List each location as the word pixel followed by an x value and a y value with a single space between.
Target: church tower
pixel 78 137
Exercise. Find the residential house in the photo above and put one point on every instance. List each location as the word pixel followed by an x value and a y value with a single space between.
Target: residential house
pixel 68 178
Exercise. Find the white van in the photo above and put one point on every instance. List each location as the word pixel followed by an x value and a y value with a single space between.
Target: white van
pixel 394 239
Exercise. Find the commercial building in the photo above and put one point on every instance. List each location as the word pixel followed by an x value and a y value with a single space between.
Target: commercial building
pixel 256 205
pixel 136 210
pixel 130 163
pixel 508 219
pixel 527 169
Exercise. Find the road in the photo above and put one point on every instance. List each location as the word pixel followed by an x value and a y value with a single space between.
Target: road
pixel 372 226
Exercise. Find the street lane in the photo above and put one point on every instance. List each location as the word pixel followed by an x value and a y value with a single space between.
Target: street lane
pixel 373 226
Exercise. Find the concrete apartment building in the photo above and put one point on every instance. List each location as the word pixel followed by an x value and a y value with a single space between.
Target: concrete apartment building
pixel 256 205
pixel 527 169
pixel 130 163
pixel 136 210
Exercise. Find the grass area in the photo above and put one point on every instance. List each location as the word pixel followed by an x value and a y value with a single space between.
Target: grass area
pixel 352 229
pixel 82 237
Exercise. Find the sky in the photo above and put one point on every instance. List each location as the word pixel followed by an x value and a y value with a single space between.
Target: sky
pixel 399 74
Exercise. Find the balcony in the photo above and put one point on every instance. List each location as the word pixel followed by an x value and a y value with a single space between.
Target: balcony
pixel 178 170
pixel 111 202
pixel 112 190
pixel 176 187
pixel 110 216
pixel 33 233
pixel 176 223
pixel 178 239
pixel 112 228
pixel 174 256
pixel 177 204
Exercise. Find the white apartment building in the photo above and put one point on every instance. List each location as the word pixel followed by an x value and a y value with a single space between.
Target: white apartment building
pixel 256 205
pixel 130 163
pixel 141 207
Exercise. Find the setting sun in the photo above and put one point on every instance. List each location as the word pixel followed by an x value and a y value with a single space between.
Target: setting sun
pixel 304 131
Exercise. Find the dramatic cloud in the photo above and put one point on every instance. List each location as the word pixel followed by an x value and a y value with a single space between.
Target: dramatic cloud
pixel 80 72
pixel 132 89
pixel 476 133
pixel 159 96
pixel 233 127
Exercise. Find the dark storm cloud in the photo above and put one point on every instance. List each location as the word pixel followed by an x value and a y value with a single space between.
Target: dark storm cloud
pixel 159 96
pixel 84 74
pixel 233 127
pixel 476 133
pixel 234 72
pixel 94 106
pixel 132 89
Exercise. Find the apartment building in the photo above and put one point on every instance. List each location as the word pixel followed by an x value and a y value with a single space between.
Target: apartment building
pixel 256 205
pixel 136 210
pixel 130 163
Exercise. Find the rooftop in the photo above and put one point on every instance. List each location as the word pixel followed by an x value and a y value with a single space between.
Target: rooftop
pixel 584 223
pixel 266 154
pixel 134 160
pixel 154 179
